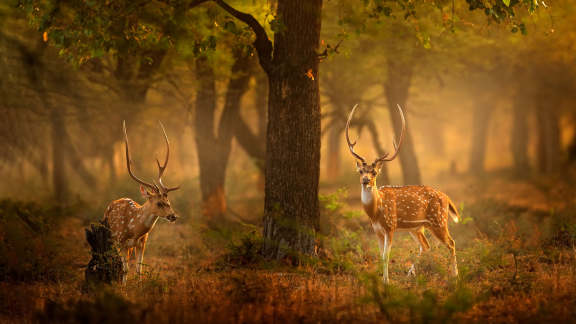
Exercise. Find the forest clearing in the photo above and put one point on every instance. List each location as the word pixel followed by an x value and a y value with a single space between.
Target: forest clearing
pixel 279 161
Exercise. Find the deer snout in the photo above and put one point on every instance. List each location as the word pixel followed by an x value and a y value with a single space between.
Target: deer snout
pixel 365 180
pixel 172 217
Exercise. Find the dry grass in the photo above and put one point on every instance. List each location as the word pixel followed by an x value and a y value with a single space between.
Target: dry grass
pixel 512 271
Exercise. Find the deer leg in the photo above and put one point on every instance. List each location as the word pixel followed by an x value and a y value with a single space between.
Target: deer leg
pixel 444 236
pixel 140 247
pixel 412 270
pixel 124 256
pixel 386 243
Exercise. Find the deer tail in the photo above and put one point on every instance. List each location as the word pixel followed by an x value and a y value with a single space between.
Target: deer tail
pixel 453 211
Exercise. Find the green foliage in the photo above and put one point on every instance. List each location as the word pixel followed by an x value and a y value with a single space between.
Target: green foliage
pixel 244 252
pixel 342 235
pixel 563 228
pixel 401 305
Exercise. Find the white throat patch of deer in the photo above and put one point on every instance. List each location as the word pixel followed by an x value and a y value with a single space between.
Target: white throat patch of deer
pixel 403 208
pixel 130 222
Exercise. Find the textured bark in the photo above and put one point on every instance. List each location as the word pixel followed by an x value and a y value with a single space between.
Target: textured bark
pixel 291 217
pixel 214 145
pixel 396 89
pixel 480 123
pixel 520 135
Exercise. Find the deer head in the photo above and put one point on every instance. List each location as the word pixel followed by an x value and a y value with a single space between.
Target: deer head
pixel 369 171
pixel 156 194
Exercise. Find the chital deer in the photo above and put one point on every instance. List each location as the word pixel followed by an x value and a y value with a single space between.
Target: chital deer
pixel 131 222
pixel 403 208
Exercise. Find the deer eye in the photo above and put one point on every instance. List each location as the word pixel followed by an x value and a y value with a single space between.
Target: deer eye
pixel 373 172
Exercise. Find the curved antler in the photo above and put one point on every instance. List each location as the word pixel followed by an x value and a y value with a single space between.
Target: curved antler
pixel 161 168
pixel 351 145
pixel 385 158
pixel 129 164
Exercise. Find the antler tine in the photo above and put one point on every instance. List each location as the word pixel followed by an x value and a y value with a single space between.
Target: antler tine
pixel 351 145
pixel 162 168
pixel 396 144
pixel 129 164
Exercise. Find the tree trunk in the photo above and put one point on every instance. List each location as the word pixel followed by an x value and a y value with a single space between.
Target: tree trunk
pixel 520 135
pixel 214 149
pixel 291 210
pixel 480 123
pixel 549 151
pixel 59 176
pixel 396 89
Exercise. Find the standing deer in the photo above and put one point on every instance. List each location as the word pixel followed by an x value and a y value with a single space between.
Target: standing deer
pixel 131 222
pixel 403 208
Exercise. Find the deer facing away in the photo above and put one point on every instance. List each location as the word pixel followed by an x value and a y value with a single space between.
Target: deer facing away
pixel 403 208
pixel 131 222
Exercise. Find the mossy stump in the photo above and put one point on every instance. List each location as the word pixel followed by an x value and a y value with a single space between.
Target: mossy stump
pixel 106 263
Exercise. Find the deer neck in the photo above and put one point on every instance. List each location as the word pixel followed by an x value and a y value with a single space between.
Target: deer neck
pixel 147 217
pixel 369 198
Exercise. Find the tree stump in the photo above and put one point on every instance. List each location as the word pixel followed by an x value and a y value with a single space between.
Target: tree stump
pixel 106 263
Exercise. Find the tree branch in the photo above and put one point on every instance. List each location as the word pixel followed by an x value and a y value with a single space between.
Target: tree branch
pixel 262 43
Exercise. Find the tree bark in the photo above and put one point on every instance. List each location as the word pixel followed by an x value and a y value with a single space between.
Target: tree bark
pixel 291 211
pixel 520 135
pixel 480 123
pixel 396 89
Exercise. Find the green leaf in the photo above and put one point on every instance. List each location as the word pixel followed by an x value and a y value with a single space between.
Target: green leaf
pixel 506 2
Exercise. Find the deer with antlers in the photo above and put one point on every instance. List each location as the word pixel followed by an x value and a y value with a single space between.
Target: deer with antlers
pixel 411 208
pixel 131 222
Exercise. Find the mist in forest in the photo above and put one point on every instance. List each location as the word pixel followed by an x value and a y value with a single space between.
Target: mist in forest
pixel 269 198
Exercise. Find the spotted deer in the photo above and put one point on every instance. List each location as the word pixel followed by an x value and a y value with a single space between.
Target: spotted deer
pixel 131 222
pixel 403 208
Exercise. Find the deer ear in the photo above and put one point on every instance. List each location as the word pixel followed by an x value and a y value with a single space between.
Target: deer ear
pixel 144 192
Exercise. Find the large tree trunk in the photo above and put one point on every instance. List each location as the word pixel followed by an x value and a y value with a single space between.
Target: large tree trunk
pixel 214 145
pixel 480 123
pixel 291 217
pixel 520 134
pixel 396 89
pixel 549 151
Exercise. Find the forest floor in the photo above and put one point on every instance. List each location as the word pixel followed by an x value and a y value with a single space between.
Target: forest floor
pixel 515 250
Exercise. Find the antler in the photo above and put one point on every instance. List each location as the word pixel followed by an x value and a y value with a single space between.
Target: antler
pixel 161 168
pixel 385 158
pixel 129 164
pixel 351 145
